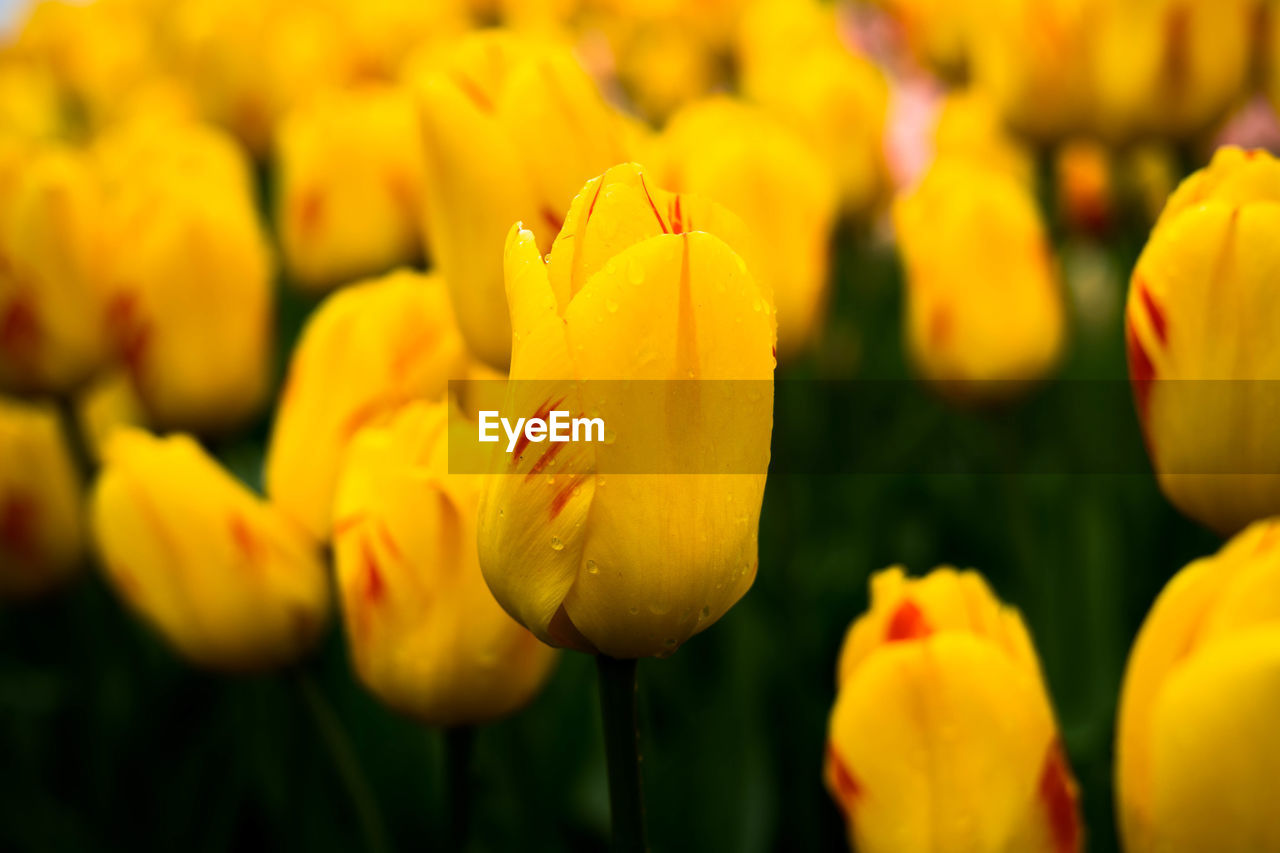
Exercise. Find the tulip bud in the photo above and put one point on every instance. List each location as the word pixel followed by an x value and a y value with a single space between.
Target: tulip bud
pixel 108 404
pixel 994 321
pixel 219 573
pixel 1029 57
pixel 969 127
pixel 189 279
pixel 425 634
pixel 638 286
pixel 349 202
pixel 788 203
pixel 51 335
pixel 1169 67
pixel 1202 307
pixel 512 128
pixel 1196 747
pixel 369 349
pixel 795 65
pixel 942 737
pixel 41 529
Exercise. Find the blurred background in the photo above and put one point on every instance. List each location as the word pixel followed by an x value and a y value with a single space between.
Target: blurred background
pixel 1091 110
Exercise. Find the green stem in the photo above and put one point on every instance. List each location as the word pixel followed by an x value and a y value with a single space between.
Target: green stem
pixel 459 742
pixel 622 752
pixel 347 763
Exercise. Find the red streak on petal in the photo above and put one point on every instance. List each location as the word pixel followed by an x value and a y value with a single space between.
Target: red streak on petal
pixel 523 441
pixel 661 222
pixel 591 208
pixel 246 541
pixel 345 525
pixel 472 90
pixel 544 460
pixel 1057 792
pixel 375 587
pixel 561 499
pixel 847 788
pixel 1154 311
pixel 311 211
pixel 361 417
pixel 389 542
pixel 941 325
pixel 907 623
pixel 1141 371
pixel 677 216
pixel 19 330
pixel 1177 57
pixel 130 331
pixel 552 219
pixel 18 527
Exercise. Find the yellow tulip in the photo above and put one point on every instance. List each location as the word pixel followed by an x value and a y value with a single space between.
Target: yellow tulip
pixel 349 197
pixel 51 298
pixel 969 127
pixel 1170 67
pixel 189 275
pixel 942 737
pixel 1196 746
pixel 743 158
pixel 384 33
pixel 512 128
pixel 1029 56
pixel 794 64
pixel 640 286
pixel 41 525
pixel 221 575
pixel 1083 174
pixel 31 104
pixel 425 634
pixel 249 61
pixel 938 31
pixel 1202 307
pixel 662 65
pixel 369 349
pixel 983 302
pixel 106 405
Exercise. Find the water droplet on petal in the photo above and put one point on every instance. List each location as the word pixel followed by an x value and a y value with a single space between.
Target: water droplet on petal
pixel 611 306
pixel 635 273
pixel 592 568
pixel 556 544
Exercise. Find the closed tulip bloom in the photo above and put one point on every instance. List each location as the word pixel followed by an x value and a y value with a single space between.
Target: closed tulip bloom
pixel 1202 306
pixel 1170 68
pixel 222 576
pixel 994 322
pixel 107 404
pixel 787 203
pixel 1030 56
pixel 794 64
pixel 189 277
pixel 41 524
pixel 369 349
pixel 349 200
pixel 425 634
pixel 942 737
pixel 640 285
pixel 1197 752
pixel 969 127
pixel 51 299
pixel 512 129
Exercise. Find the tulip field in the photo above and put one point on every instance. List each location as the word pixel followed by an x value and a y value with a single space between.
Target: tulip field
pixel 594 425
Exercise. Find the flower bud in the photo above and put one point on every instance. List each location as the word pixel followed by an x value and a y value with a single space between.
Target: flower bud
pixel 219 573
pixel 787 204
pixel 794 64
pixel 349 200
pixel 1169 67
pixel 639 286
pixel 1029 57
pixel 51 328
pixel 993 322
pixel 369 349
pixel 1196 746
pixel 41 525
pixel 942 737
pixel 1202 307
pixel 512 128
pixel 189 277
pixel 425 634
